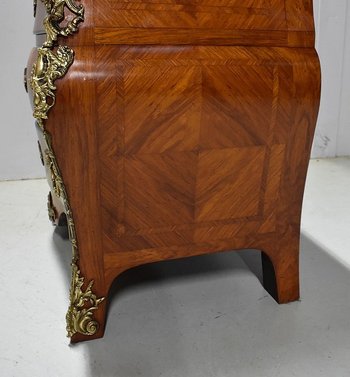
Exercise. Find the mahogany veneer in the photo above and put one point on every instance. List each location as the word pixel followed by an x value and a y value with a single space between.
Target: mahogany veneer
pixel 183 128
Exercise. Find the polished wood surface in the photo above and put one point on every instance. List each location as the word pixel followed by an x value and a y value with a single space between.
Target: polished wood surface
pixel 170 150
pixel 287 23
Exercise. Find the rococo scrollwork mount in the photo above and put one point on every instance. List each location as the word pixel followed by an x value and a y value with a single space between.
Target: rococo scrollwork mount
pixel 52 63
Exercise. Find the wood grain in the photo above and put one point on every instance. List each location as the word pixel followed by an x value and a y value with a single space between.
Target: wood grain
pixel 172 144
pixel 284 23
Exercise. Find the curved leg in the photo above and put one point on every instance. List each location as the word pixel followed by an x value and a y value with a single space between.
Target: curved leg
pixel 86 316
pixel 98 323
pixel 281 271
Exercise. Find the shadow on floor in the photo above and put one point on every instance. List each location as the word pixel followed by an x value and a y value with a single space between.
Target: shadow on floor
pixel 210 316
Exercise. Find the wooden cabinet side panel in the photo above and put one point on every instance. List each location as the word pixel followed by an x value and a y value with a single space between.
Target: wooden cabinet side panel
pixel 183 148
pixel 145 146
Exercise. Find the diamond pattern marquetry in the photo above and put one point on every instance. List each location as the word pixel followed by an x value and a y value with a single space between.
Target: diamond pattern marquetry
pixel 191 147
pixel 183 127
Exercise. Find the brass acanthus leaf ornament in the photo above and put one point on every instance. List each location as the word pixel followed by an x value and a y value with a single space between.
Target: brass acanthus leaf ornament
pixel 49 67
pixel 56 15
pixel 83 303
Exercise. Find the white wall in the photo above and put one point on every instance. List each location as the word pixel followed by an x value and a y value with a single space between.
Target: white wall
pixel 19 156
pixel 333 44
pixel 18 149
pixel 343 142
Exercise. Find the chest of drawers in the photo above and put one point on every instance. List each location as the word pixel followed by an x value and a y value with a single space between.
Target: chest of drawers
pixel 173 128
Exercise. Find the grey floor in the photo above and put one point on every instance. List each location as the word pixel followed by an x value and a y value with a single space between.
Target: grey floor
pixel 199 317
pixel 209 316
